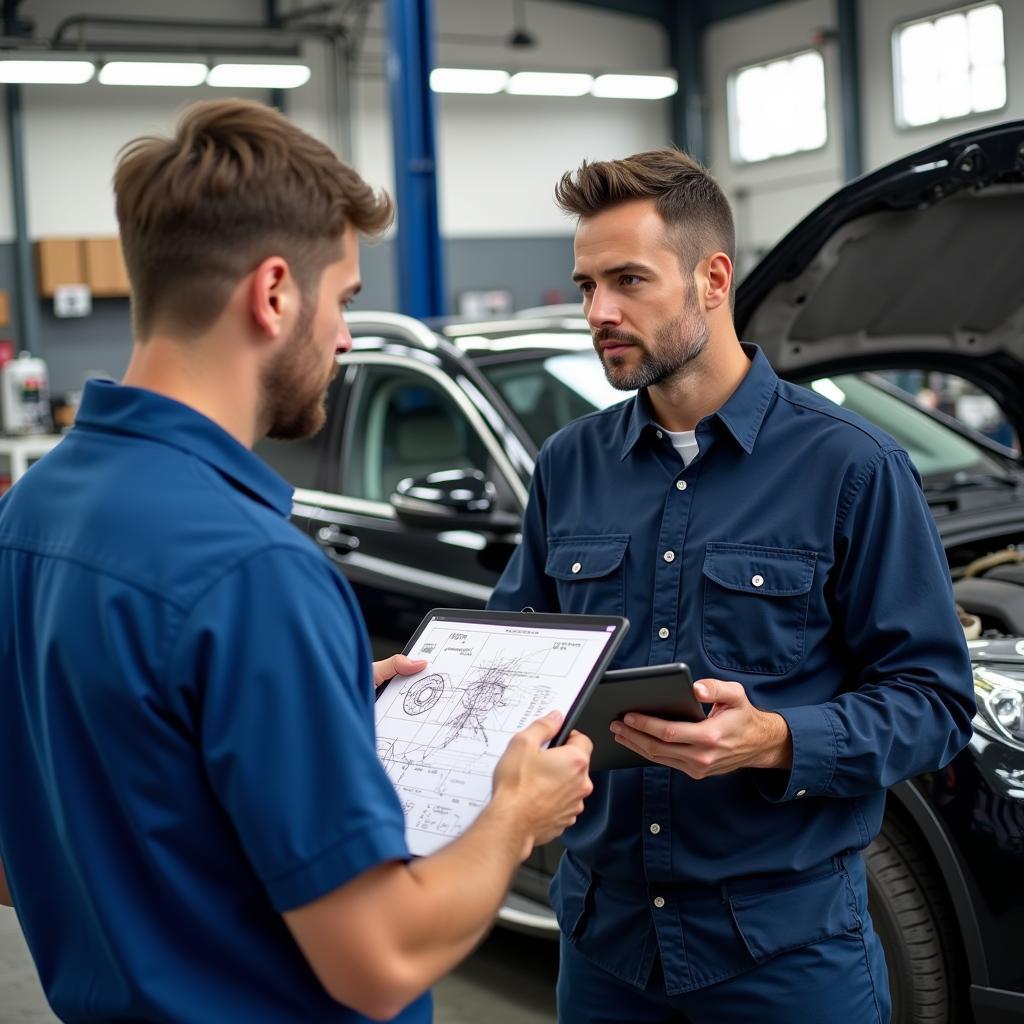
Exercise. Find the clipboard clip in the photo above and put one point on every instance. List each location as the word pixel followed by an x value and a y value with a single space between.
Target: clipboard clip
pixel 526 608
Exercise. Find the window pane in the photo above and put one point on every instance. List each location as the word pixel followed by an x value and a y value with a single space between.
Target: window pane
pixel 985 28
pixel 778 108
pixel 951 66
pixel 951 42
pixel 988 88
pixel 955 94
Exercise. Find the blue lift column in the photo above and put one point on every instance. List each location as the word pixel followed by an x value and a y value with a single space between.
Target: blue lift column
pixel 410 59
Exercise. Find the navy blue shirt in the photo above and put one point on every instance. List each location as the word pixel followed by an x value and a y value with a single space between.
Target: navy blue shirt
pixel 186 724
pixel 796 555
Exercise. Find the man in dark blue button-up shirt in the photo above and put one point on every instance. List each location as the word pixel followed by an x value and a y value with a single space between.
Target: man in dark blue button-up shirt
pixel 783 548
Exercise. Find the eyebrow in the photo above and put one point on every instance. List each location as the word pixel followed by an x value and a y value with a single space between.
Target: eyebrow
pixel 619 268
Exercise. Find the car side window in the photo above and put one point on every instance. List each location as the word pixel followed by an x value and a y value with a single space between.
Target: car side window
pixel 958 398
pixel 403 424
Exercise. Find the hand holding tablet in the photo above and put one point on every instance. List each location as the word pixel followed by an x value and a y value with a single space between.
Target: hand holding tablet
pixel 662 691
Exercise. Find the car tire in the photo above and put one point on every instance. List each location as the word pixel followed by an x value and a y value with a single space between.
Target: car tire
pixel 914 920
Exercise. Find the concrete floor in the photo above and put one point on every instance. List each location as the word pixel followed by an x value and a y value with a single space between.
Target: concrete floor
pixel 510 979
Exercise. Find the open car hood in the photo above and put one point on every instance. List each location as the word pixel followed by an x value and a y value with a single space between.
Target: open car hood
pixel 918 265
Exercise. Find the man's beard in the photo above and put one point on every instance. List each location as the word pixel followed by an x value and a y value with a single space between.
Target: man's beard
pixel 674 344
pixel 293 407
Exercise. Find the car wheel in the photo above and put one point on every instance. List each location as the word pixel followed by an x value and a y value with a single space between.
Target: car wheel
pixel 915 923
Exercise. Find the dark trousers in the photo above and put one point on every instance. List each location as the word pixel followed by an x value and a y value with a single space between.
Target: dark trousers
pixel 842 980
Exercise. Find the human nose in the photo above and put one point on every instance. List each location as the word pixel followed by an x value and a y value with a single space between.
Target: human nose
pixel 344 339
pixel 603 310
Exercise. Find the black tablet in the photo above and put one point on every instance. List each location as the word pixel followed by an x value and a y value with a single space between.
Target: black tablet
pixel 664 691
pixel 489 675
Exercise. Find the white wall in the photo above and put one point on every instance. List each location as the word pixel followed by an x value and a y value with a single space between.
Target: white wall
pixel 771 196
pixel 883 141
pixel 499 156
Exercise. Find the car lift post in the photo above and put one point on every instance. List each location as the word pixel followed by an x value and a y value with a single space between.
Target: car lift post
pixel 410 60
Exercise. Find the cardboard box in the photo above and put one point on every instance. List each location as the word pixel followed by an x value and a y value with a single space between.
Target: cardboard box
pixel 5 308
pixel 105 271
pixel 60 262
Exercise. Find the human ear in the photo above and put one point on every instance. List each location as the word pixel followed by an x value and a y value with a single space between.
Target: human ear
pixel 269 296
pixel 717 280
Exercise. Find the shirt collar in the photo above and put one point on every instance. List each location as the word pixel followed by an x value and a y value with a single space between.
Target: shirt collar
pixel 742 414
pixel 115 408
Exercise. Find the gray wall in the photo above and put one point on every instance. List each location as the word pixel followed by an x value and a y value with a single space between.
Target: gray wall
pixel 529 268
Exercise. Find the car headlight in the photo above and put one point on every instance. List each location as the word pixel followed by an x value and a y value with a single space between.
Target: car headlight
pixel 1000 696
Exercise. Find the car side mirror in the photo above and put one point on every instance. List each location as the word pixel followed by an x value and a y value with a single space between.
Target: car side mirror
pixel 451 499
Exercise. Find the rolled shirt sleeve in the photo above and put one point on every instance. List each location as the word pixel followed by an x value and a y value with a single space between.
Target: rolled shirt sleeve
pixel 283 676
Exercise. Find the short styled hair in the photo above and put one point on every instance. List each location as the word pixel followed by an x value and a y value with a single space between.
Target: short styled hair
pixel 237 183
pixel 693 206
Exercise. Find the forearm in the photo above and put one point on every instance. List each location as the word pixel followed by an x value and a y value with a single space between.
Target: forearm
pixel 5 893
pixel 459 891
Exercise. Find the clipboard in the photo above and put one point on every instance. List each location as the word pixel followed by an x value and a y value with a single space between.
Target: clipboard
pixel 489 674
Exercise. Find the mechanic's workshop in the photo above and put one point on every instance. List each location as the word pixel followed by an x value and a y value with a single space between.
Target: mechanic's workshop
pixel 512 511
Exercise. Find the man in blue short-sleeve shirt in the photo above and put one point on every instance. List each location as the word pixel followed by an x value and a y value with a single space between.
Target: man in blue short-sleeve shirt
pixel 783 548
pixel 194 824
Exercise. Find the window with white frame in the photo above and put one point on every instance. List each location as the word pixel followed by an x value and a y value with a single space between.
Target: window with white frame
pixel 778 108
pixel 949 66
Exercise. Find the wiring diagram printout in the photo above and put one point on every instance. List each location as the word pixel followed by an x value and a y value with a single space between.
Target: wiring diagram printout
pixel 441 732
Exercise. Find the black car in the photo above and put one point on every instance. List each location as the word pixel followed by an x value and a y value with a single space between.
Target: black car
pixel 911 275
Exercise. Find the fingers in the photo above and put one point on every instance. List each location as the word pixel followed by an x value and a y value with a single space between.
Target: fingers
pixel 543 729
pixel 396 665
pixel 581 741
pixel 719 691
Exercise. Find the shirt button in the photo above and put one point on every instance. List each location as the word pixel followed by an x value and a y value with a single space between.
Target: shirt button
pixel 655 828
pixel 680 485
pixel 800 793
pixel 576 566
pixel 664 632
pixel 669 556
pixel 758 580
pixel 659 901
pixel 659 434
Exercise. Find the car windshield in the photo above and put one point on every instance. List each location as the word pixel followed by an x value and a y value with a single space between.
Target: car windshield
pixel 547 392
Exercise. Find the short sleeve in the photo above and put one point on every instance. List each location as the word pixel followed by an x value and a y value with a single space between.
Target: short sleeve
pixel 278 657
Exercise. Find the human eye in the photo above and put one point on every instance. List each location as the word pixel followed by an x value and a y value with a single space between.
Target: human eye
pixel 630 280
pixel 586 287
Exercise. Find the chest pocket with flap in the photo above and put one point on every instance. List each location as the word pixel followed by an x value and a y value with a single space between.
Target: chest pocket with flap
pixel 755 606
pixel 590 572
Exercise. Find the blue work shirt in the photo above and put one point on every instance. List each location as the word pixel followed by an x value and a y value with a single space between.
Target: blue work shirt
pixel 795 554
pixel 186 724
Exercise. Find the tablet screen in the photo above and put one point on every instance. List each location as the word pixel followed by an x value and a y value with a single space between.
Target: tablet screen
pixel 490 674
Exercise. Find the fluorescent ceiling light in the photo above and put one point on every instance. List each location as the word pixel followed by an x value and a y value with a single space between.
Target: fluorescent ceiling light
pixel 47 72
pixel 258 76
pixel 634 87
pixel 471 80
pixel 141 72
pixel 546 83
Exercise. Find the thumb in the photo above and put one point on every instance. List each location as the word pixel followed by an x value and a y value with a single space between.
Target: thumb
pixel 719 691
pixel 405 666
pixel 543 729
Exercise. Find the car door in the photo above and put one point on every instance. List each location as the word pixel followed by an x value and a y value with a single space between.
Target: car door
pixel 404 419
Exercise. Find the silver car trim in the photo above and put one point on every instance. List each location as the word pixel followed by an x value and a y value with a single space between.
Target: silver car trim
pixel 419 576
pixel 306 501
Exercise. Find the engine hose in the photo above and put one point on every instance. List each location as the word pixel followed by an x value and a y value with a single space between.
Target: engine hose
pixel 982 565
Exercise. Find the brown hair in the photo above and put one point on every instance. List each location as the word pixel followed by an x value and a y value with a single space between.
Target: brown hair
pixel 686 196
pixel 238 182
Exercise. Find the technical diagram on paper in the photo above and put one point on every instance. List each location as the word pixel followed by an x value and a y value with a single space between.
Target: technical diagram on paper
pixel 441 732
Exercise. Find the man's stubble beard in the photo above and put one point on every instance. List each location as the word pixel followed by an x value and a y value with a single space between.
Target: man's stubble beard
pixel 675 344
pixel 291 407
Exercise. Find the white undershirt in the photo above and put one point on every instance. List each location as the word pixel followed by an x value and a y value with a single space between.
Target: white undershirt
pixel 684 442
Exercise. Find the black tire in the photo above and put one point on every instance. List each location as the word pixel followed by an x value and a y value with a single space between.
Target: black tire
pixel 914 920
